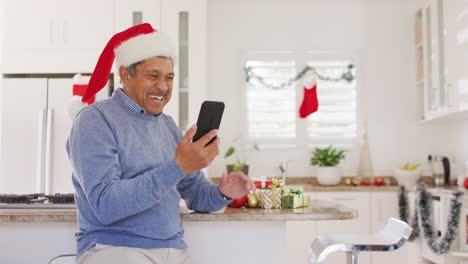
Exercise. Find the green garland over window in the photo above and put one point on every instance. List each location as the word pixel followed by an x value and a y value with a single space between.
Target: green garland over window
pixel 347 75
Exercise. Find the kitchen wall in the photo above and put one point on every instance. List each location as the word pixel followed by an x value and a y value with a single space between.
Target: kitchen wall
pixel 457 132
pixel 380 31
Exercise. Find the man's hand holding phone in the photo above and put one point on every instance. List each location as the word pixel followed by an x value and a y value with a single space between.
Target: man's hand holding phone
pixel 192 156
pixel 200 144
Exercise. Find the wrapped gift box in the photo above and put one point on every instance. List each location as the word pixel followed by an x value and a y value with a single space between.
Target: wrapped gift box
pixel 269 198
pixel 295 199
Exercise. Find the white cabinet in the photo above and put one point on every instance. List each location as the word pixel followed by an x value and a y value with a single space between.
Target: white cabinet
pixel 441 52
pixel 130 13
pixel 441 211
pixel 431 89
pixel 456 52
pixel 186 23
pixel 35 128
pixel 54 35
pixel 39 242
pixel 23 114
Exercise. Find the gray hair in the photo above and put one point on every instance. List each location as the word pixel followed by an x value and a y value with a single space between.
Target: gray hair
pixel 132 68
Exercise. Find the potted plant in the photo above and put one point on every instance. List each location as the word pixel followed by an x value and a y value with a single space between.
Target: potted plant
pixel 238 165
pixel 327 160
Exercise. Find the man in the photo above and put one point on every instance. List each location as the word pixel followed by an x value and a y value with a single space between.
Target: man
pixel 131 164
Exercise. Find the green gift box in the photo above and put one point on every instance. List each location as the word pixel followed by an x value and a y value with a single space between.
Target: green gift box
pixel 295 199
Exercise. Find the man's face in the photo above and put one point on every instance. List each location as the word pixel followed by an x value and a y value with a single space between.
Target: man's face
pixel 151 86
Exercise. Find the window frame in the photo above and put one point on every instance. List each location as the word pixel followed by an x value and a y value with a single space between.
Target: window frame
pixel 301 142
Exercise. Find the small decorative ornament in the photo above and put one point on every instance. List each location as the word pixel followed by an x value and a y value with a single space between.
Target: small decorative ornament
pixel 465 183
pixel 252 200
pixel 239 202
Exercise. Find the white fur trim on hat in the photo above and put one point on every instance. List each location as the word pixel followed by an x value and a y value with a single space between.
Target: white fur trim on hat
pixel 74 106
pixel 143 47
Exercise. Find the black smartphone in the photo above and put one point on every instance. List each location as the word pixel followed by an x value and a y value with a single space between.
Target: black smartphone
pixel 209 118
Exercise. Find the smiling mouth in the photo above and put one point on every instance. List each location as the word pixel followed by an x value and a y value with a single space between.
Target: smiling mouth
pixel 157 97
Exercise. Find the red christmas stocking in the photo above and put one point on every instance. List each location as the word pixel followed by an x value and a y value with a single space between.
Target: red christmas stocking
pixel 309 102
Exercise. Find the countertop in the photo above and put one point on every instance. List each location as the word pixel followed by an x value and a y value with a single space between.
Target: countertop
pixel 319 210
pixel 310 184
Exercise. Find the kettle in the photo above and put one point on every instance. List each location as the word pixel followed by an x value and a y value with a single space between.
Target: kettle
pixel 446 166
pixel 441 170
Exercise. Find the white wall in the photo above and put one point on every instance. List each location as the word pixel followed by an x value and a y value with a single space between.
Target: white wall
pixel 380 31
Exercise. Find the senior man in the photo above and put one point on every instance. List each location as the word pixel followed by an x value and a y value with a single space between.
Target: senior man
pixel 131 164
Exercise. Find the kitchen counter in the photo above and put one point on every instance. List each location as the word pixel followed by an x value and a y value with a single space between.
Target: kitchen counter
pixel 347 188
pixel 310 184
pixel 319 210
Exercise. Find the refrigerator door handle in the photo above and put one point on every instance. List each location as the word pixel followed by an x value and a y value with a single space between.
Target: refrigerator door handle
pixel 48 186
pixel 40 150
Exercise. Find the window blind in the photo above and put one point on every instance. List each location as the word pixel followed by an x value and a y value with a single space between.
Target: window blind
pixel 273 103
pixel 271 111
pixel 335 123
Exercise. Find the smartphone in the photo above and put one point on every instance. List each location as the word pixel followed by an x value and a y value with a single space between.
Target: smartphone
pixel 209 118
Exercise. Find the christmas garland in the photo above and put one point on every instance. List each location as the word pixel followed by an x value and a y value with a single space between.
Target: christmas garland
pixel 347 75
pixel 423 214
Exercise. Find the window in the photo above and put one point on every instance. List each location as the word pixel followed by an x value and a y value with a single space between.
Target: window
pixel 274 94
pixel 271 108
pixel 335 121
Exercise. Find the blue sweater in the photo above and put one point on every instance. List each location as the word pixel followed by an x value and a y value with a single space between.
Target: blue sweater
pixel 127 184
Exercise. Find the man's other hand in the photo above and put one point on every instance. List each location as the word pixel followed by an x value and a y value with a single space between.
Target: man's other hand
pixel 193 156
pixel 235 184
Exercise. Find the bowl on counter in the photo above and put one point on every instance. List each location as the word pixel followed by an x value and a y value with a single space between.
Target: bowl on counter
pixel 407 178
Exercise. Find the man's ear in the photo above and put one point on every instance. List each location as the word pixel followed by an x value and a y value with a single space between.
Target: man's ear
pixel 124 75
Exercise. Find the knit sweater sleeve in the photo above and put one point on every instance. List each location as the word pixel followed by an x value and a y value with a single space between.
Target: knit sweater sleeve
pixel 92 147
pixel 200 194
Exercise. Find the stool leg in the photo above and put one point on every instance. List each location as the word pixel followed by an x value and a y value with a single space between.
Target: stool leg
pixel 352 257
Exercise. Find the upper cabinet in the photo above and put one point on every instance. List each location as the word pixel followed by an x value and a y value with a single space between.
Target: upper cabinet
pixel 429 43
pixel 441 49
pixel 55 36
pixel 456 52
pixel 129 13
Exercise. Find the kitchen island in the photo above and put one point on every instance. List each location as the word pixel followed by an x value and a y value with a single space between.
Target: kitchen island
pixel 228 236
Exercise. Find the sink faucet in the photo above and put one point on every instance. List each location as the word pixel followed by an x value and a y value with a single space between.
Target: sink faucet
pixel 284 170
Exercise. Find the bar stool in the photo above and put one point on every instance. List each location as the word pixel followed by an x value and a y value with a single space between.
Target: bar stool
pixel 61 257
pixel 391 237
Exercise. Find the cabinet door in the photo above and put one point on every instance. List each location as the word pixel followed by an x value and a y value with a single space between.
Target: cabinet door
pixel 55 36
pixel 23 128
pixel 359 225
pixel 383 206
pixel 436 93
pixel 56 158
pixel 24 243
pixel 60 173
pixel 456 50
pixel 30 24
pixel 83 29
pixel 300 235
pixel 130 13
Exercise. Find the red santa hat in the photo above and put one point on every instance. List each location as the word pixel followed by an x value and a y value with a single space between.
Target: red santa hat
pixel 132 45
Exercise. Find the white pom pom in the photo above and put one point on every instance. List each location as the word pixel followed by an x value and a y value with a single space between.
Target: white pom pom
pixel 309 81
pixel 74 106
